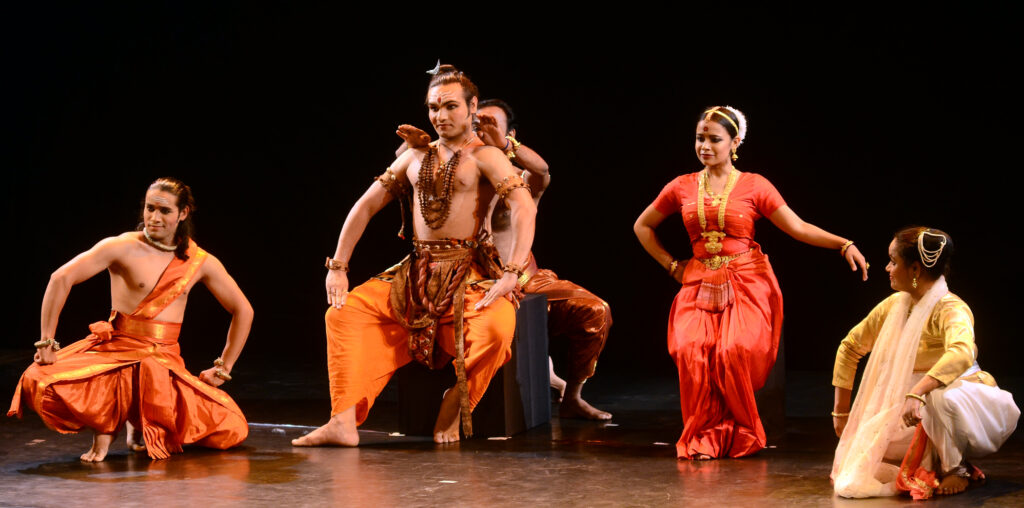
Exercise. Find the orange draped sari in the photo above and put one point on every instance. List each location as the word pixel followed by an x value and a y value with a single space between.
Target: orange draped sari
pixel 130 368
pixel 725 322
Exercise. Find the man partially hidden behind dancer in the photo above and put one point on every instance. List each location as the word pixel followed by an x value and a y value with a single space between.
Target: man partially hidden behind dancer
pixel 130 369
pixel 574 313
pixel 445 300
pixel 924 406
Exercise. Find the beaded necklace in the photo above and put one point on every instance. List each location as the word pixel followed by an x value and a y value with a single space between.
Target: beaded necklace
pixel 713 244
pixel 435 204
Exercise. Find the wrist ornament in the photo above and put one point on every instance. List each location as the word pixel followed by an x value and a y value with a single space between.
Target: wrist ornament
pixel 672 266
pixel 514 268
pixel 48 342
pixel 842 250
pixel 219 371
pixel 839 415
pixel 334 264
pixel 916 396
pixel 511 152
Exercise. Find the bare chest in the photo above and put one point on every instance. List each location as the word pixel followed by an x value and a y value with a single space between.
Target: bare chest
pixel 133 279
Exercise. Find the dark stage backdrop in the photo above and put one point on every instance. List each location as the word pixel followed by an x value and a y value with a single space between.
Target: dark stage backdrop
pixel 279 119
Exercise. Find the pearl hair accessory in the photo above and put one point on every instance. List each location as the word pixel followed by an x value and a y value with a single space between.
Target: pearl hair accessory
pixel 929 257
pixel 742 132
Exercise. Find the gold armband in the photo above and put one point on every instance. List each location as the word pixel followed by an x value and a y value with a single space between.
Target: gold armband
pixel 509 184
pixel 398 188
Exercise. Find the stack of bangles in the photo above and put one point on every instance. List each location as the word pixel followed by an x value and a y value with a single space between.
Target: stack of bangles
pixel 220 372
pixel 48 342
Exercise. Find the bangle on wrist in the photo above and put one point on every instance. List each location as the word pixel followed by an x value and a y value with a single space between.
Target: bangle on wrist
pixel 916 396
pixel 672 267
pixel 48 342
pixel 514 268
pixel 839 415
pixel 334 264
pixel 842 250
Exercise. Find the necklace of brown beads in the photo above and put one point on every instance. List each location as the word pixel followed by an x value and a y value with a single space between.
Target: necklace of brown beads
pixel 435 203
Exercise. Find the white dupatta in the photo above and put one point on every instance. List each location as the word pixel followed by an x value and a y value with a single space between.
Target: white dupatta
pixel 857 470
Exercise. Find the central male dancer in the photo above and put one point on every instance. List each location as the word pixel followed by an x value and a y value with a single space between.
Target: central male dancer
pixel 444 294
pixel 574 313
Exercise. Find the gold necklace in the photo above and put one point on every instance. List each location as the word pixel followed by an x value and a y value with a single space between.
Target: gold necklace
pixel 713 244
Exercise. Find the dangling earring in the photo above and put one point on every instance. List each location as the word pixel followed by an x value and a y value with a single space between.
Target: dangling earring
pixel 734 156
pixel 914 282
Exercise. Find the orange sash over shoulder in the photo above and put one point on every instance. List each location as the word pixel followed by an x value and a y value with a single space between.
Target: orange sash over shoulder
pixel 129 357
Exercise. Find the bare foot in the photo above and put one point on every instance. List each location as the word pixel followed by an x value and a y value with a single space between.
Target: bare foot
pixel 576 407
pixel 952 484
pixel 446 429
pixel 556 382
pixel 100 445
pixel 573 405
pixel 135 442
pixel 340 431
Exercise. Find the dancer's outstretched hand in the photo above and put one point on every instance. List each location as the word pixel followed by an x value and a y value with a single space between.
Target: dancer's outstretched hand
pixel 855 258
pixel 500 288
pixel 413 136
pixel 337 288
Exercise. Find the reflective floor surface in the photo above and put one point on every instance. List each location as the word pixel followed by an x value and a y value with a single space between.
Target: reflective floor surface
pixel 628 462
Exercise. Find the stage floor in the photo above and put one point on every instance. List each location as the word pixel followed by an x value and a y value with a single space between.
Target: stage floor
pixel 628 462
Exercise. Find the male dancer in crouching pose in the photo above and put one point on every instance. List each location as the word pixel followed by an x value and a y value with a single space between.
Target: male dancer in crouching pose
pixel 130 368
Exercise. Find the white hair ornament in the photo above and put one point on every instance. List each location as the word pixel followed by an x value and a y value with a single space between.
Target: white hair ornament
pixel 742 133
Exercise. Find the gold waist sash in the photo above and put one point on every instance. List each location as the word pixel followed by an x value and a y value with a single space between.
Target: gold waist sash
pixel 160 332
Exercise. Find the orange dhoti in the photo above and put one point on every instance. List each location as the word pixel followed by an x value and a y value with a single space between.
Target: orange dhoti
pixel 366 344
pixel 130 369
pixel 575 314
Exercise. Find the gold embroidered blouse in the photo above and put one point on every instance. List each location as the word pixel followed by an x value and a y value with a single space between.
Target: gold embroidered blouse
pixel 946 349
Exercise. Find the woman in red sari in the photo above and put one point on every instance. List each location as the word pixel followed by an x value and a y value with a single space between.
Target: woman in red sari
pixel 723 330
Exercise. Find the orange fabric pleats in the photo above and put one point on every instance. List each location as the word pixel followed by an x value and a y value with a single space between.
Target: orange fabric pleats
pixel 723 357
pixel 130 369
pixel 365 345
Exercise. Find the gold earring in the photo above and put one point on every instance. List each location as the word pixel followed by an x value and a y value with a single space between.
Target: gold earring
pixel 914 283
pixel 734 156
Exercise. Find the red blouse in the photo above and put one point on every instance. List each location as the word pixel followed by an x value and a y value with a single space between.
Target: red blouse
pixel 752 197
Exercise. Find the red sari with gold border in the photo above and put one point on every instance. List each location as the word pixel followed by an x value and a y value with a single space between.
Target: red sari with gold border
pixel 130 368
pixel 725 354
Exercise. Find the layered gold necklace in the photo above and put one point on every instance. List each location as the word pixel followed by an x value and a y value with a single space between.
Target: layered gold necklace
pixel 713 244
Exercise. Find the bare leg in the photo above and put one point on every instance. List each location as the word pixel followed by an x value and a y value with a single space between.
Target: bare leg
pixel 100 445
pixel 339 431
pixel 446 429
pixel 556 382
pixel 135 442
pixel 952 484
pixel 573 405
